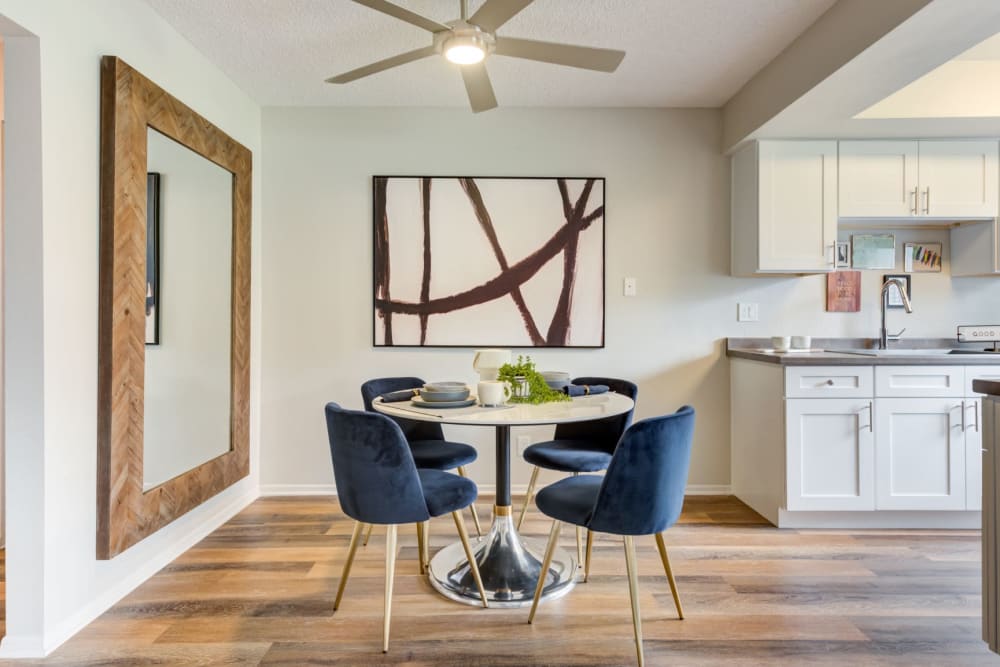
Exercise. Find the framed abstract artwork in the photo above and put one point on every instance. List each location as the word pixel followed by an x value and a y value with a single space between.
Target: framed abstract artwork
pixel 922 257
pixel 152 258
pixel 488 262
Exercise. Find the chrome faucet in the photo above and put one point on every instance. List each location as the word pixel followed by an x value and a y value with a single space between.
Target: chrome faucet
pixel 884 336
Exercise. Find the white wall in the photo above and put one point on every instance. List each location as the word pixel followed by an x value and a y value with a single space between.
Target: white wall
pixel 55 583
pixel 186 387
pixel 667 224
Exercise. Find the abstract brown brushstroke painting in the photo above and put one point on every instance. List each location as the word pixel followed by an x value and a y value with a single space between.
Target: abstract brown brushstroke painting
pixel 517 262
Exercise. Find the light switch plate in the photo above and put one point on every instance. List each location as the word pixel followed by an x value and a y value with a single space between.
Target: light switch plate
pixel 628 286
pixel 747 312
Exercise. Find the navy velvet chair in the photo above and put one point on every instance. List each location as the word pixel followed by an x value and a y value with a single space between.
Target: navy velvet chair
pixel 427 443
pixel 378 482
pixel 641 494
pixel 579 447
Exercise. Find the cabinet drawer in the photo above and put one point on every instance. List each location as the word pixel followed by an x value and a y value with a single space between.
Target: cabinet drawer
pixel 828 382
pixel 919 381
pixel 980 373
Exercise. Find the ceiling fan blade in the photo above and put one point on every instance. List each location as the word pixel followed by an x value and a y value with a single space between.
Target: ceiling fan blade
pixel 381 65
pixel 494 13
pixel 479 88
pixel 404 15
pixel 584 57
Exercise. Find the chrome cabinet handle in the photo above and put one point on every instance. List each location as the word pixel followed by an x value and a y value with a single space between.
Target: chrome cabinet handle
pixel 927 200
pixel 871 419
pixel 975 411
pixel 962 406
pixel 913 201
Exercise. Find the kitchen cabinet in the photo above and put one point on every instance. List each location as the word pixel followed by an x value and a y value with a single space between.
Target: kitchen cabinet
pixel 784 207
pixel 920 457
pixel 975 249
pixel 831 458
pixel 918 179
pixel 973 428
pixel 882 445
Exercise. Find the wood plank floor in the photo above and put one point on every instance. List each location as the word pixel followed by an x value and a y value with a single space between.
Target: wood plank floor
pixel 259 591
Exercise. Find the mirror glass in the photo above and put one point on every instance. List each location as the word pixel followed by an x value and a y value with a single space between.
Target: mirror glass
pixel 188 310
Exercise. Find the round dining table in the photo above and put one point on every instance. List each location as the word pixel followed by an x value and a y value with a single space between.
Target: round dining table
pixel 509 564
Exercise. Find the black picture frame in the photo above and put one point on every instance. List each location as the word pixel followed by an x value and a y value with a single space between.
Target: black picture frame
pixel 895 301
pixel 376 221
pixel 153 297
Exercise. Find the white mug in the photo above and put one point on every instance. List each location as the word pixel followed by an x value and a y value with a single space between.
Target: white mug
pixel 801 342
pixel 493 393
pixel 781 343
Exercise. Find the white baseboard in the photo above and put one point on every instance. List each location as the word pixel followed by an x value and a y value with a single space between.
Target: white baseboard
pixel 885 519
pixel 34 646
pixel 484 489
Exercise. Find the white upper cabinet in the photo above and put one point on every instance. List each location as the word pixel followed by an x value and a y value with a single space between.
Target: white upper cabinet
pixel 919 179
pixel 878 179
pixel 784 207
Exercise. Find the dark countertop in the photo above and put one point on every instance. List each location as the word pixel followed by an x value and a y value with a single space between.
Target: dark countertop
pixel 991 387
pixel 751 348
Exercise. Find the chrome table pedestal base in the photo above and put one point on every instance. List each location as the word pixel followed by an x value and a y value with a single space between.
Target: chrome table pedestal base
pixel 508 564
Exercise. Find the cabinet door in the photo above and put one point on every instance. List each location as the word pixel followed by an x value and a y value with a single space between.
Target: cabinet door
pixel 830 458
pixel 878 179
pixel 973 454
pixel 958 179
pixel 920 457
pixel 797 183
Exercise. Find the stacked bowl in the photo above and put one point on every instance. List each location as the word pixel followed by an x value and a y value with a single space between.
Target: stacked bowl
pixel 557 380
pixel 445 392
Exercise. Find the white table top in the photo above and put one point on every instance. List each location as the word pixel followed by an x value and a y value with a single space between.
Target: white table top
pixel 582 408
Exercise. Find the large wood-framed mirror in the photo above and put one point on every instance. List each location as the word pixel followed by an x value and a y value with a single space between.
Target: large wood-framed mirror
pixel 174 300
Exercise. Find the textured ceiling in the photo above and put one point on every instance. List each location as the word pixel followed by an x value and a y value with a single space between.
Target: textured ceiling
pixel 680 53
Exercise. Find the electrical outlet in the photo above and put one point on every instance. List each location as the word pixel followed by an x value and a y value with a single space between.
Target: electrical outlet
pixel 628 286
pixel 522 443
pixel 747 312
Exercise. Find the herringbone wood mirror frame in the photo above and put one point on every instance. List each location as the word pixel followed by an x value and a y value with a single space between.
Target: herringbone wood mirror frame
pixel 125 514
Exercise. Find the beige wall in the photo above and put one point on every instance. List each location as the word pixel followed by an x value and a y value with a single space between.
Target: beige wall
pixel 667 225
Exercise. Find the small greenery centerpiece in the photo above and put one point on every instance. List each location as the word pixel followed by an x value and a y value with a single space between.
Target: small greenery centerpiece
pixel 539 391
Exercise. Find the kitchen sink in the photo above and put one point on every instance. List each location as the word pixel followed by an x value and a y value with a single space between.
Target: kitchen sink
pixel 899 352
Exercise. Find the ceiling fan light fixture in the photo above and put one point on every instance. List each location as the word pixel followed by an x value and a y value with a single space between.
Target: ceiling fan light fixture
pixel 465 49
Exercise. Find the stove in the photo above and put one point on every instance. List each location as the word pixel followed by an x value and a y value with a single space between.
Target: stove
pixel 981 333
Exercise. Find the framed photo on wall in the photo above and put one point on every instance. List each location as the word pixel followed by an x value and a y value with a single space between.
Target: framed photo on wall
pixel 488 262
pixel 843 254
pixel 873 251
pixel 922 257
pixel 895 300
pixel 152 258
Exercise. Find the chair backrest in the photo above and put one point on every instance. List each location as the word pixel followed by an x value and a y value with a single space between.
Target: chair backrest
pixel 377 481
pixel 604 433
pixel 412 429
pixel 643 489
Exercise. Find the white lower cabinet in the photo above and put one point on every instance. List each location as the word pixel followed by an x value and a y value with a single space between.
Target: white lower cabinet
pixel 920 459
pixel 974 454
pixel 830 454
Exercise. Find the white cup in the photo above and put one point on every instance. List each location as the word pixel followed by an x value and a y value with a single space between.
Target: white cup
pixel 493 392
pixel 781 343
pixel 801 342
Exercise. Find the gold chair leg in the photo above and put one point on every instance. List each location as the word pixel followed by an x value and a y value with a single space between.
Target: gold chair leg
pixel 390 569
pixel 472 507
pixel 473 565
pixel 579 542
pixel 368 535
pixel 633 592
pixel 420 547
pixel 347 565
pixel 527 498
pixel 550 550
pixel 427 546
pixel 670 574
pixel 590 549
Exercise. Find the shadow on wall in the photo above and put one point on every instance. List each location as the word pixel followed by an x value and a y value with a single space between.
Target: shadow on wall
pixel 702 382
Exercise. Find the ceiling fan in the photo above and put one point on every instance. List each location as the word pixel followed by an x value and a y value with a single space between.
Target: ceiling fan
pixel 468 40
